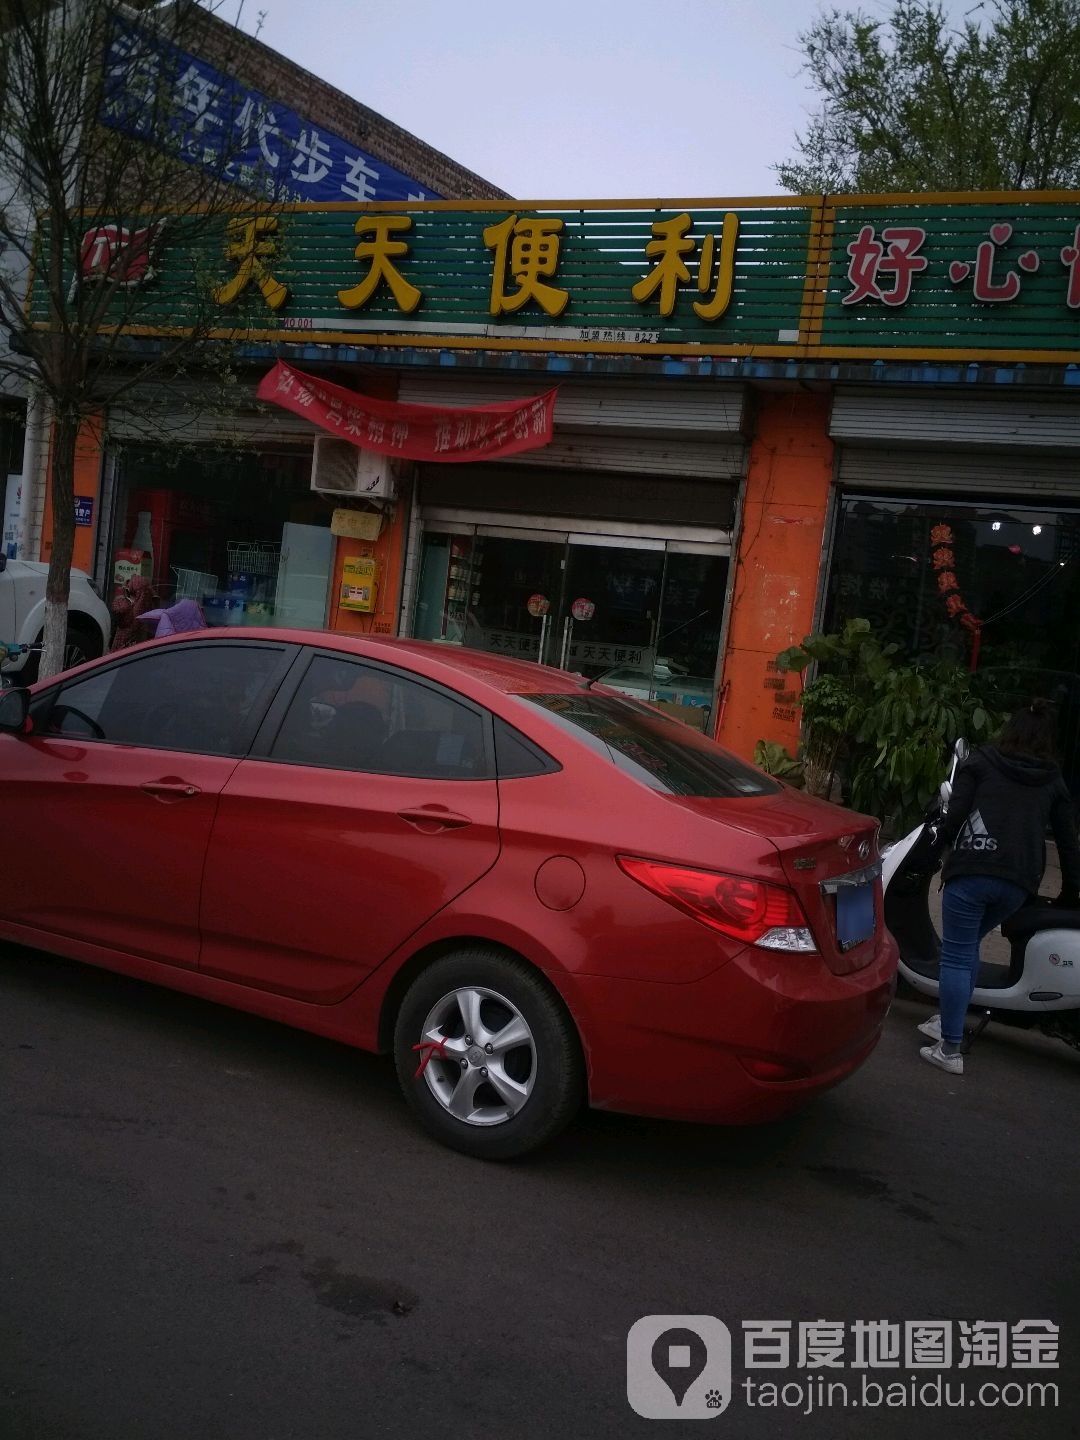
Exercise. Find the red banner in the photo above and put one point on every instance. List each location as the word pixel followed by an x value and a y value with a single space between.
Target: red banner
pixel 415 432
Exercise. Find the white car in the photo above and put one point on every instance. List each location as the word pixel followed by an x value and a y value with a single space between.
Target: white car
pixel 22 618
pixel 668 677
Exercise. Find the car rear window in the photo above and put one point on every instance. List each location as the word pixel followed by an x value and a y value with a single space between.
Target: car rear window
pixel 660 752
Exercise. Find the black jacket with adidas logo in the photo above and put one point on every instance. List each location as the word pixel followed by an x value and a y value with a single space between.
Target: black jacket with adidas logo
pixel 998 814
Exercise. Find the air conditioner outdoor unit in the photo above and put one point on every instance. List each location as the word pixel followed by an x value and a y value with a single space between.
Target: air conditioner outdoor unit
pixel 341 468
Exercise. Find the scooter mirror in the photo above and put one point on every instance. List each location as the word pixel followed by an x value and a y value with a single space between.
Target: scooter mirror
pixel 961 749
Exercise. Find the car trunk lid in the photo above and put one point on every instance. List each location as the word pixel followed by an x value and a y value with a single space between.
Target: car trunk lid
pixel 829 858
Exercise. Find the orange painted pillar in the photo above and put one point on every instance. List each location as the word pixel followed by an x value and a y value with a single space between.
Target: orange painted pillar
pixel 776 570
pixel 89 455
pixel 388 552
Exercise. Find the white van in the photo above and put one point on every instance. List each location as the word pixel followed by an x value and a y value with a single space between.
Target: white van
pixel 22 618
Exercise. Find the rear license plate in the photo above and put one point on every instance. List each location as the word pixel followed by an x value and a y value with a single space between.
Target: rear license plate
pixel 854 915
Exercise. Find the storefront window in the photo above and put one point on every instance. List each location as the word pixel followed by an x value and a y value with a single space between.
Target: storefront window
pixel 241 533
pixel 916 569
pixel 645 616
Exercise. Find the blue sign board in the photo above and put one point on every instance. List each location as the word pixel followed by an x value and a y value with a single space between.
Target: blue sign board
pixel 84 509
pixel 216 123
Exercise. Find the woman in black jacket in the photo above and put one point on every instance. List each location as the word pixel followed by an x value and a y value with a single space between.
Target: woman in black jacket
pixel 1003 799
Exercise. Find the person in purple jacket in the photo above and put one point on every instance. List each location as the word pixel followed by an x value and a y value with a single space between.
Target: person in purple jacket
pixel 178 619
pixel 1003 799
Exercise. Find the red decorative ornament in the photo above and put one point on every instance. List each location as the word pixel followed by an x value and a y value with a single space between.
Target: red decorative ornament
pixel 943 558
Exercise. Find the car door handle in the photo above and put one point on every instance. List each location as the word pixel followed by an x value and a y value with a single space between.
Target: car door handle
pixel 177 788
pixel 434 817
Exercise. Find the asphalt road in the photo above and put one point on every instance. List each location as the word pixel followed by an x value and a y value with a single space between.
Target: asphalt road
pixel 211 1226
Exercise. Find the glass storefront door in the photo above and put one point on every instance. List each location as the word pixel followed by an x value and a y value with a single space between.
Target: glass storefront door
pixel 490 592
pixel 609 609
pixel 643 613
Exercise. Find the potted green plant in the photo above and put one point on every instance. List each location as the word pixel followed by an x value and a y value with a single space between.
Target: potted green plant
pixel 878 726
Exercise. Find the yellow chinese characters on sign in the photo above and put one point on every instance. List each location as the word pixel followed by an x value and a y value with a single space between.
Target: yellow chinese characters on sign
pixel 382 250
pixel 529 251
pixel 250 242
pixel 669 247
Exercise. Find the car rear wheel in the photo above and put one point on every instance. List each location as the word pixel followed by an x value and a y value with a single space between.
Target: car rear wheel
pixel 487 1056
pixel 83 643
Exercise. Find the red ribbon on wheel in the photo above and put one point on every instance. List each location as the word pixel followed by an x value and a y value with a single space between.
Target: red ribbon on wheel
pixel 428 1049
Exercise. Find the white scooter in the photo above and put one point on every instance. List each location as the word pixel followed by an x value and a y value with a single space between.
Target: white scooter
pixel 1038 989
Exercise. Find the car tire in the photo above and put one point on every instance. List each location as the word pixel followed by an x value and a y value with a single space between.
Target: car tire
pixel 906 991
pixel 83 643
pixel 543 1074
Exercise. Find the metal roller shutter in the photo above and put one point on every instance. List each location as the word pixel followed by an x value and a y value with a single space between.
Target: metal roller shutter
pixel 194 415
pixel 676 429
pixel 697 410
pixel 685 500
pixel 962 473
pixel 973 422
pixel 621 454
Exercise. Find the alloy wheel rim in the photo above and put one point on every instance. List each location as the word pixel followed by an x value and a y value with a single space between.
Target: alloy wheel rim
pixel 481 1056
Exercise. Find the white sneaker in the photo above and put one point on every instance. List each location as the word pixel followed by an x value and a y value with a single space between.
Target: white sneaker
pixel 931 1028
pixel 934 1055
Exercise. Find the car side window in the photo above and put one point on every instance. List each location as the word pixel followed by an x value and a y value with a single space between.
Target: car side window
pixel 516 757
pixel 198 698
pixel 347 715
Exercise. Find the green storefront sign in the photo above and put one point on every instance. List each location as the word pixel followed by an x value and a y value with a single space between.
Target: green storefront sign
pixel 958 276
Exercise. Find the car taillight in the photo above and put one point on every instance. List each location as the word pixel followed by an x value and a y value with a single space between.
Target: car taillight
pixel 749 910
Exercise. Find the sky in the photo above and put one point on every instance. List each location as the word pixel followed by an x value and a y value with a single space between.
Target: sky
pixel 572 99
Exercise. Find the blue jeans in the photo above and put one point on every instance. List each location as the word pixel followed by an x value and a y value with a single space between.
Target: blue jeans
pixel 972 906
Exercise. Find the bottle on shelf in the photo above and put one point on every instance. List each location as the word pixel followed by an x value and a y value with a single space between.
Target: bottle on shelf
pixel 143 540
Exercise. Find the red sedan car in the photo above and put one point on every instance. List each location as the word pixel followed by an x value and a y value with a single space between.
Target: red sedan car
pixel 533 891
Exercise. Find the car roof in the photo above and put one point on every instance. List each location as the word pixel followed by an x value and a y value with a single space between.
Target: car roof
pixel 512 677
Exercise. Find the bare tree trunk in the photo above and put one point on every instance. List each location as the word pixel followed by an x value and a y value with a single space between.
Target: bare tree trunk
pixel 819 778
pixel 820 768
pixel 58 584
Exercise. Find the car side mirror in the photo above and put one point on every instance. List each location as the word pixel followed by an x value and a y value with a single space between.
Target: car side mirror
pixel 14 711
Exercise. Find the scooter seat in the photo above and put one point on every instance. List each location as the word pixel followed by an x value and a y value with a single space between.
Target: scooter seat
pixel 1033 919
